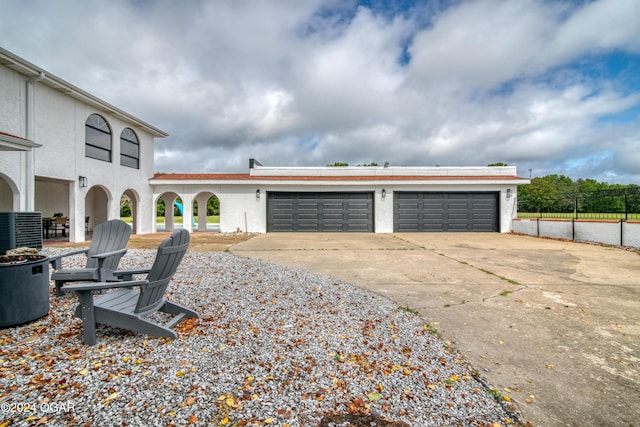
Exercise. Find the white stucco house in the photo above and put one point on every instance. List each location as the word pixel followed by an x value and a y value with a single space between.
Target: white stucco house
pixel 381 199
pixel 63 150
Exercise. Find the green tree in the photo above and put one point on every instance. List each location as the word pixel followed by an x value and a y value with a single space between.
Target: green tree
pixel 213 205
pixel 125 206
pixel 160 207
pixel 541 193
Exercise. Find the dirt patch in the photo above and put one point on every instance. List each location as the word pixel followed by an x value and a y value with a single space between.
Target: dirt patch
pixel 200 242
pixel 352 420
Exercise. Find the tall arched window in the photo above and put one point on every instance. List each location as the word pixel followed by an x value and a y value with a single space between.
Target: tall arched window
pixel 129 149
pixel 97 138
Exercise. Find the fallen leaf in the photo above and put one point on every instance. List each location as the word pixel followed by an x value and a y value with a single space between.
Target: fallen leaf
pixel 374 396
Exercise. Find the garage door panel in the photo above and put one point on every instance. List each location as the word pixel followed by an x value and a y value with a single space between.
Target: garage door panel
pixel 303 228
pixel 306 217
pixel 315 212
pixel 441 211
pixel 358 216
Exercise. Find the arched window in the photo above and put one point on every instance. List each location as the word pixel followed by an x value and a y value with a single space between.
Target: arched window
pixel 97 138
pixel 129 149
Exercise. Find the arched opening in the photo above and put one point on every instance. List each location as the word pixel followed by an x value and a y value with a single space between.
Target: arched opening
pixel 166 217
pixel 96 207
pixel 9 195
pixel 207 219
pixel 129 209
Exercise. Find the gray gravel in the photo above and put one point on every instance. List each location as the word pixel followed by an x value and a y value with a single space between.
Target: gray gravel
pixel 273 346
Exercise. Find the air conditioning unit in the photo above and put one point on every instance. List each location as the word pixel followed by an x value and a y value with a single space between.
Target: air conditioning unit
pixel 20 229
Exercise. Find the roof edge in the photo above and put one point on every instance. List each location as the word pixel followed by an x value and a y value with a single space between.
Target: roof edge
pixel 28 69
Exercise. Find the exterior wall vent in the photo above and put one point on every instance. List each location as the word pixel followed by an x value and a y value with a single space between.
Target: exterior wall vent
pixel 20 229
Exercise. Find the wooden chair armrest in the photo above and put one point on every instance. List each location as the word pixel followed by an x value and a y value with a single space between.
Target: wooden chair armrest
pixel 128 274
pixel 96 286
pixel 102 258
pixel 56 260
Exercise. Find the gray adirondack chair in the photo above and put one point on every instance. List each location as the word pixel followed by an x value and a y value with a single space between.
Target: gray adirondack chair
pixel 129 308
pixel 108 245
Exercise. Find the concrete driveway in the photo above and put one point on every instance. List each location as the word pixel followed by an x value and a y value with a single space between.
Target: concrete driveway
pixel 553 325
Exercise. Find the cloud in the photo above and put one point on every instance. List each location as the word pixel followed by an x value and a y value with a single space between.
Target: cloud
pixel 532 83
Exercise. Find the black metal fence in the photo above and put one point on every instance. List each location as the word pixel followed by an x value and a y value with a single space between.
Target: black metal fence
pixel 612 204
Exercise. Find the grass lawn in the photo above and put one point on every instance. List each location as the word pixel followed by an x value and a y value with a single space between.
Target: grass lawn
pixel 212 219
pixel 571 215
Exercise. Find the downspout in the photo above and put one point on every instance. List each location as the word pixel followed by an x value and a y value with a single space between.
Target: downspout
pixel 30 187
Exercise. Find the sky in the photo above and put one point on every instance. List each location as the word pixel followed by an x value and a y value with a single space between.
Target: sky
pixel 549 86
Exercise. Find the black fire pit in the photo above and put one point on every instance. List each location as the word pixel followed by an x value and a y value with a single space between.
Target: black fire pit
pixel 24 288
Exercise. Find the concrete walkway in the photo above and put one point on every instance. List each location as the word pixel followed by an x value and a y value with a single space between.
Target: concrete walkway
pixel 553 325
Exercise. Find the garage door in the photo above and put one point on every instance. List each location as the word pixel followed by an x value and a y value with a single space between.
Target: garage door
pixel 445 211
pixel 319 212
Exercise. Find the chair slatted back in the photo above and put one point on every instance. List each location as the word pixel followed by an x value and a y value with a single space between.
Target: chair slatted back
pixel 170 254
pixel 108 236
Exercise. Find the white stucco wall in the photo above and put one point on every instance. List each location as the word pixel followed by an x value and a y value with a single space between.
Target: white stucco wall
pixel 599 231
pixel 631 234
pixel 12 121
pixel 12 93
pixel 443 171
pixel 242 211
pixel 607 232
pixel 59 119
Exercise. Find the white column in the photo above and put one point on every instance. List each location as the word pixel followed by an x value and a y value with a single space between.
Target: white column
pixel 202 212
pixel 76 212
pixel 168 212
pixel 187 214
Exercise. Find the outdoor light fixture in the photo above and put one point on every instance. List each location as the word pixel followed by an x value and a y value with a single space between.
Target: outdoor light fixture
pixel 83 181
pixel 384 194
pixel 508 193
pixel 258 194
